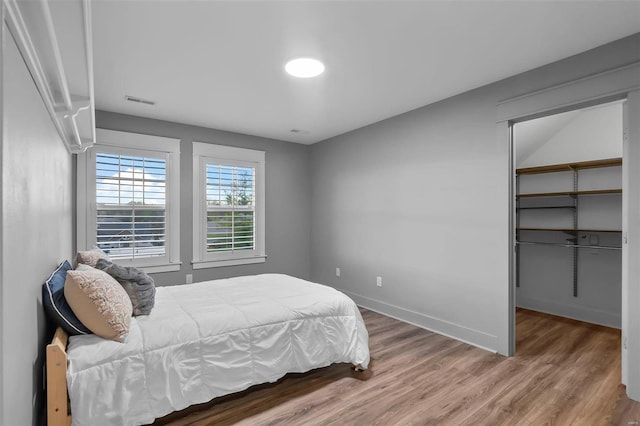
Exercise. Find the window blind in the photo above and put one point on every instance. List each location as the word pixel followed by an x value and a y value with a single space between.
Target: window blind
pixel 131 205
pixel 230 200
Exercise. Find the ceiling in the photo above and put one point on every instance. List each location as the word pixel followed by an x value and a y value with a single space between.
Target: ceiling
pixel 532 135
pixel 219 64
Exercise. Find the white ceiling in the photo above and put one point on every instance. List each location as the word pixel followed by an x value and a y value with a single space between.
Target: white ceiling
pixel 220 64
pixel 531 135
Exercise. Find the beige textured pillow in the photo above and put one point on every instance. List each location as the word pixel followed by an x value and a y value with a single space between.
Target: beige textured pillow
pixel 99 302
pixel 91 257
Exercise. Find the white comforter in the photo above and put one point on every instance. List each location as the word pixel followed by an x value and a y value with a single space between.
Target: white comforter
pixel 210 339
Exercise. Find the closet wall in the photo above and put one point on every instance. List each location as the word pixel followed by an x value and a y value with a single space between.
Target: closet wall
pixel 581 283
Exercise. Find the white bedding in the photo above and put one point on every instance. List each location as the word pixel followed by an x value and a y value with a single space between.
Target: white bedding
pixel 210 339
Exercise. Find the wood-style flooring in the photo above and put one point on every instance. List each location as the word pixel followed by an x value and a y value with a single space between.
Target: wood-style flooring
pixel 564 372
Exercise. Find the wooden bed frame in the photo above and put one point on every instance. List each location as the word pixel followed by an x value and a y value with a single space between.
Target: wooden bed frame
pixel 58 412
pixel 58 408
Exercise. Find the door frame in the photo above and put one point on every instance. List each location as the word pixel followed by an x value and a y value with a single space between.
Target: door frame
pixel 616 84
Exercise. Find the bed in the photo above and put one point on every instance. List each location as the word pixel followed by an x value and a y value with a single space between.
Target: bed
pixel 202 341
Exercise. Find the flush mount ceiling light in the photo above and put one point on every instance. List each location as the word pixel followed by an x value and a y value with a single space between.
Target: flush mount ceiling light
pixel 304 67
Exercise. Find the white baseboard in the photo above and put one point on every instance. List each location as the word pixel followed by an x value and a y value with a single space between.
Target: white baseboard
pixel 464 334
pixel 579 313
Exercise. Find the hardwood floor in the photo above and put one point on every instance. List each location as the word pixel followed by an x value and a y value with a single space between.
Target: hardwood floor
pixel 564 372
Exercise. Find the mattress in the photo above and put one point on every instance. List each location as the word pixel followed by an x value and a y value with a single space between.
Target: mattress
pixel 210 339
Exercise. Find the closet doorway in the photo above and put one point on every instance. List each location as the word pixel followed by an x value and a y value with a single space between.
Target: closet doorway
pixel 568 198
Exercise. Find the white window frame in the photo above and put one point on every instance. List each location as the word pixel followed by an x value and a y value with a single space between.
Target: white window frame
pixel 126 143
pixel 204 153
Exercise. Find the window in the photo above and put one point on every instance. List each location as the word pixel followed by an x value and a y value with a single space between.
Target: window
pixel 128 199
pixel 230 200
pixel 228 219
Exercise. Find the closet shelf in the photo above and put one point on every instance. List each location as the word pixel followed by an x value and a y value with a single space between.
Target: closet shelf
pixel 568 167
pixel 535 243
pixel 568 200
pixel 572 230
pixel 571 193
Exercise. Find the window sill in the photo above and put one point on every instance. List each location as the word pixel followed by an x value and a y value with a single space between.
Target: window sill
pixel 152 269
pixel 202 264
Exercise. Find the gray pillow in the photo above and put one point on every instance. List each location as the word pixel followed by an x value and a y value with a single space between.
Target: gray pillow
pixel 138 285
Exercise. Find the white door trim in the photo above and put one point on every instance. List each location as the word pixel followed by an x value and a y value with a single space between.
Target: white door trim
pixel 631 241
pixel 593 89
pixel 618 83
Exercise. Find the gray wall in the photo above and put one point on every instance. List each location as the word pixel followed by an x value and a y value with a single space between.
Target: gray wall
pixel 421 199
pixel 37 206
pixel 287 189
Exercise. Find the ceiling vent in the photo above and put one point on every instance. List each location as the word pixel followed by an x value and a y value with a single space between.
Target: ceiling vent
pixel 138 100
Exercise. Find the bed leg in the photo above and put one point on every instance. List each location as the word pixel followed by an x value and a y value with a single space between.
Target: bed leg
pixel 57 399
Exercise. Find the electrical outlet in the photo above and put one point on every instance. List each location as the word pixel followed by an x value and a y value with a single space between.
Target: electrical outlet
pixel 189 279
pixel 379 281
pixel 337 272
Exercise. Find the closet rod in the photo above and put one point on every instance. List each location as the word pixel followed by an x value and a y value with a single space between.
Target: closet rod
pixel 546 207
pixel 534 243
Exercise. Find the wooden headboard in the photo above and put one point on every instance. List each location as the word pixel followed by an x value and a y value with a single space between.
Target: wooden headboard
pixel 58 413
